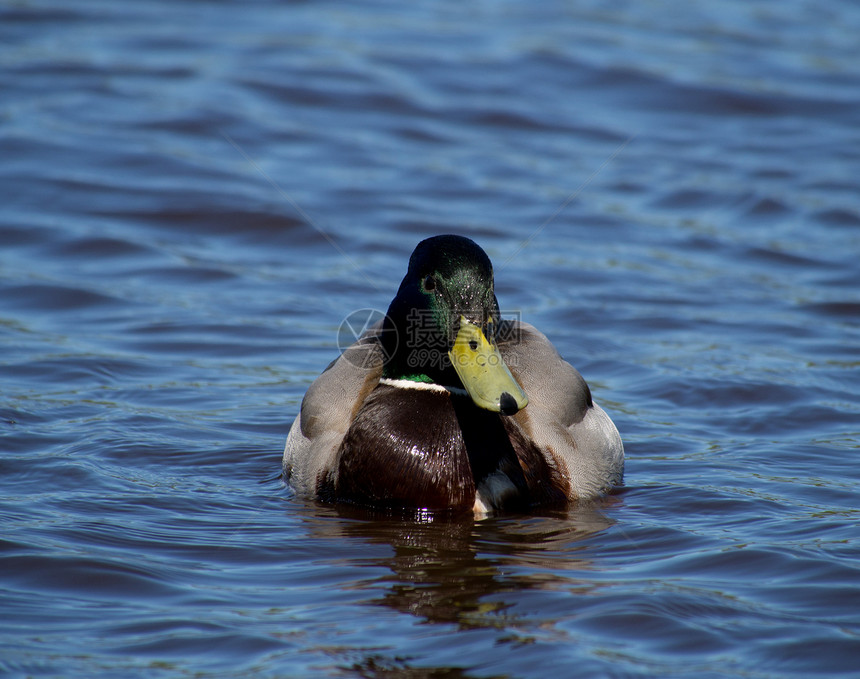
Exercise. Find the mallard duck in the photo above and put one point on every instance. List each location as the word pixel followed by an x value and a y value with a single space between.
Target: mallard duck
pixel 445 406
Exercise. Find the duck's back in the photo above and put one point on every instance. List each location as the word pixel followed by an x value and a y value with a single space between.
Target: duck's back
pixel 562 418
pixel 361 440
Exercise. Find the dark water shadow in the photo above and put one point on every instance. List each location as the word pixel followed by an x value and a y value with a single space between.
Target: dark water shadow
pixel 453 570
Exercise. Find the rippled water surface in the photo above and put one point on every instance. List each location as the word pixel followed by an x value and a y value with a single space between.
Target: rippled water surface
pixel 193 195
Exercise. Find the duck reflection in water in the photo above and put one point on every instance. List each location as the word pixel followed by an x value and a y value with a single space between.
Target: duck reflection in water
pixel 437 571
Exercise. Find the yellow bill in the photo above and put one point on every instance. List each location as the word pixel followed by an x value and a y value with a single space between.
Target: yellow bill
pixel 487 379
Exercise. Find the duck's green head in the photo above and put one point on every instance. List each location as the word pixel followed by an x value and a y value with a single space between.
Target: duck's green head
pixel 442 325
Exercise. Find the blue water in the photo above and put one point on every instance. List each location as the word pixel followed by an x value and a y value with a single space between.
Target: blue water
pixel 193 195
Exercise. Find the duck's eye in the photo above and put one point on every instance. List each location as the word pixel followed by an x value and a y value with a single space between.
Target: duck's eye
pixel 429 283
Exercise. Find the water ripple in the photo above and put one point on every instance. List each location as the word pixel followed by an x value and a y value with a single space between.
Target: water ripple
pixel 671 196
